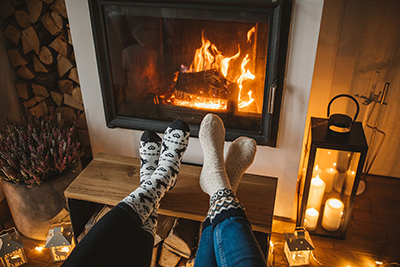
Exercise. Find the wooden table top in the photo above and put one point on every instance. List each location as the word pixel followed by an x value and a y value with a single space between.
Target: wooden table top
pixel 109 178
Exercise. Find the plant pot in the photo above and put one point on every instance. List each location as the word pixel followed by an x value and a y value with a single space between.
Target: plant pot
pixel 35 209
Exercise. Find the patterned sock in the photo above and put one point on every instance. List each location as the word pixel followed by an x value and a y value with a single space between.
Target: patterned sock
pixel 213 179
pixel 149 151
pixel 148 195
pixel 240 156
pixel 212 137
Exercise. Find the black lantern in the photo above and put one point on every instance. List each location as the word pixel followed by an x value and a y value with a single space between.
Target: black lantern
pixel 332 169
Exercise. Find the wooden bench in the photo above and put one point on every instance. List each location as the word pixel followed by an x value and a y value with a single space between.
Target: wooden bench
pixel 109 178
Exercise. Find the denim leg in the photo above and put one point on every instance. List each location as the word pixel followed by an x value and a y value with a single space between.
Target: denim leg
pixel 235 244
pixel 205 253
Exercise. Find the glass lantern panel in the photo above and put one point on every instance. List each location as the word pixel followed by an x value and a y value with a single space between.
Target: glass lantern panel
pixel 332 182
pixel 60 253
pixel 15 258
pixel 337 169
pixel 297 258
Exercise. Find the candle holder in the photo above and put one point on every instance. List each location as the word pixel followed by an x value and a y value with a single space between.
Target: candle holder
pixel 60 241
pixel 298 247
pixel 11 248
pixel 332 168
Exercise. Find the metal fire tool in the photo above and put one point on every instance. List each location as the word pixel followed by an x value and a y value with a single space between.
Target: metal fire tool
pixel 376 100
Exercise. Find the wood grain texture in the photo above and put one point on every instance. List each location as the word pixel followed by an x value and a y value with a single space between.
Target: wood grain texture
pixel 106 180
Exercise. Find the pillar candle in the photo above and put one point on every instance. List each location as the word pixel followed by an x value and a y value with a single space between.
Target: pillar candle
pixel 332 214
pixel 317 189
pixel 350 177
pixel 311 219
pixel 330 176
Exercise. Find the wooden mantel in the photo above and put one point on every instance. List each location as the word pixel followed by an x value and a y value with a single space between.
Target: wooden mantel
pixel 109 178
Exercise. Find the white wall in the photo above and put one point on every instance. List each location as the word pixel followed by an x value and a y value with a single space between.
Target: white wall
pixel 281 162
pixel 356 40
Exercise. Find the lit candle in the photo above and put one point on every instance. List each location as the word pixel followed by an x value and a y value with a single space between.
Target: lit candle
pixel 317 189
pixel 316 171
pixel 332 214
pixel 329 177
pixel 350 177
pixel 311 219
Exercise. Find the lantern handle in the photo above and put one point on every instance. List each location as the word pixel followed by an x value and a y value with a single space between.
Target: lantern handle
pixel 345 95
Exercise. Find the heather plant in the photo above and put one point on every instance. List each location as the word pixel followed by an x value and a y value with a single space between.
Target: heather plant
pixel 37 148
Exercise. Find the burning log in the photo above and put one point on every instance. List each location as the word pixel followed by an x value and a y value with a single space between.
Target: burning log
pixel 209 83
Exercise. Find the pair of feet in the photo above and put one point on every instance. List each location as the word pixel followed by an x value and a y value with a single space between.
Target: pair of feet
pixel 161 159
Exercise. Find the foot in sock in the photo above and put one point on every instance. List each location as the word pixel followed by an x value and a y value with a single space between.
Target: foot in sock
pixel 239 157
pixel 212 137
pixel 148 195
pixel 213 179
pixel 149 151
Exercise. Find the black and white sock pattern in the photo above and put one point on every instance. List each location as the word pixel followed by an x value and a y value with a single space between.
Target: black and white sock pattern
pixel 147 196
pixel 149 151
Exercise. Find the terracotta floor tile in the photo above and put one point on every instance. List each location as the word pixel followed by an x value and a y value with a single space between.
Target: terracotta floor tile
pixel 361 215
pixel 386 217
pixel 367 232
pixel 362 202
pixel 374 249
pixel 385 205
pixel 394 235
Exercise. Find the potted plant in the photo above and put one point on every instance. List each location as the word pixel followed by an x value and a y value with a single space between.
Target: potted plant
pixel 39 158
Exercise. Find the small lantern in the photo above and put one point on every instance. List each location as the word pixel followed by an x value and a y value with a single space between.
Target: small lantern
pixel 11 248
pixel 60 241
pixel 298 247
pixel 333 164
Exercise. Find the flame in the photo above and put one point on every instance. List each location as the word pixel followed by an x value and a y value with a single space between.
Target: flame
pixel 208 57
pixel 250 33
pixel 202 58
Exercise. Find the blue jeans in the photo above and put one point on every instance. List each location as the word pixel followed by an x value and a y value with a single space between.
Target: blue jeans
pixel 229 243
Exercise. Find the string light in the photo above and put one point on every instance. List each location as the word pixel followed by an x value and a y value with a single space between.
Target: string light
pixel 39 248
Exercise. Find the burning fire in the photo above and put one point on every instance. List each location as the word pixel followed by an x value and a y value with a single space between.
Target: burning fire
pixel 208 57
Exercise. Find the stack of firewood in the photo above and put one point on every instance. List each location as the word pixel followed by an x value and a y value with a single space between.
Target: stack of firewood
pixel 176 242
pixel 42 55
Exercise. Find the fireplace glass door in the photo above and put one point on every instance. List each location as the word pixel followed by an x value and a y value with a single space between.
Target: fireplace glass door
pixel 159 62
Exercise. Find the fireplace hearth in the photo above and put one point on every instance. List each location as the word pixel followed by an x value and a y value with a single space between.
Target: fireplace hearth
pixel 163 60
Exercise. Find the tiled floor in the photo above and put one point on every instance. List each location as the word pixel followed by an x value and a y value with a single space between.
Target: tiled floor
pixel 373 233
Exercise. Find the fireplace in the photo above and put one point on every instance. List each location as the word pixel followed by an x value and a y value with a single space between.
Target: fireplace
pixel 162 60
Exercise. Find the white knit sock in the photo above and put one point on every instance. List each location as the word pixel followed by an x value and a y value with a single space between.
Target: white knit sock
pixel 240 156
pixel 212 137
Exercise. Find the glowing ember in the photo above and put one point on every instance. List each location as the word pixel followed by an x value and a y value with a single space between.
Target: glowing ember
pixel 203 103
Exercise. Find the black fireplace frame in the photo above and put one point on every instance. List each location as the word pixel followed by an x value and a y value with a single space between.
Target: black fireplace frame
pixel 279 12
